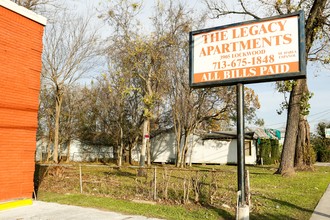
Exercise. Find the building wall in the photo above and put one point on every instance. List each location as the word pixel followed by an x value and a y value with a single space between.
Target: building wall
pixel 163 151
pixel 79 152
pixel 20 67
pixel 220 151
pixel 200 151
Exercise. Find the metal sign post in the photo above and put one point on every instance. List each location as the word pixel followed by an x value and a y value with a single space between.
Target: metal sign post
pixel 243 209
pixel 240 143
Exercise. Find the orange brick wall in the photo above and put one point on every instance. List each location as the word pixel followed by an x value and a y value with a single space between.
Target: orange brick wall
pixel 20 66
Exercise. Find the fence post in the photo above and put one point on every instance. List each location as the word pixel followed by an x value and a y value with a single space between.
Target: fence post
pixel 80 179
pixel 155 183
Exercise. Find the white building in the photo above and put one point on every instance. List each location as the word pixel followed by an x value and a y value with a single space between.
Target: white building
pixel 208 148
pixel 78 151
pixel 204 148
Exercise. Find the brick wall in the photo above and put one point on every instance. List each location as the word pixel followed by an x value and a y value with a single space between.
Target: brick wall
pixel 20 66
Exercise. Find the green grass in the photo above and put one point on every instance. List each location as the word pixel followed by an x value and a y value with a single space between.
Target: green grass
pixel 273 196
pixel 276 197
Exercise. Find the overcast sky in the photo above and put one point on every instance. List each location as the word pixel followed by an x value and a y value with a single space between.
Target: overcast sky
pixel 270 99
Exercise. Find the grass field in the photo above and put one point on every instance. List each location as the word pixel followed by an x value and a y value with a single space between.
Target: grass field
pixel 272 196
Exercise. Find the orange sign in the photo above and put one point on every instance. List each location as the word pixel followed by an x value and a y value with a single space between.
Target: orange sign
pixel 255 51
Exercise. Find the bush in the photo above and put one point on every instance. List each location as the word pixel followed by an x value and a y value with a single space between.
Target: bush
pixel 265 151
pixel 324 156
pixel 275 153
pixel 269 151
pixel 320 143
pixel 322 152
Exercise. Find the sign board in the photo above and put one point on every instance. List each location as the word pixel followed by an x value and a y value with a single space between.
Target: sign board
pixel 255 51
pixel 327 133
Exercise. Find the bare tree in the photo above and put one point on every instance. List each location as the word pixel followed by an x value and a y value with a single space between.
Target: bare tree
pixel 190 108
pixel 115 105
pixel 69 117
pixel 70 48
pixel 43 7
pixel 142 59
pixel 32 4
pixel 46 114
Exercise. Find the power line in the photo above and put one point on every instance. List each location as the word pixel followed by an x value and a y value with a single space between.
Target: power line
pixel 328 110
pixel 276 124
pixel 325 112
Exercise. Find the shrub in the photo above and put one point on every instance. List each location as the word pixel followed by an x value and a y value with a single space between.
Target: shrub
pixel 320 143
pixel 269 151
pixel 265 151
pixel 322 152
pixel 275 151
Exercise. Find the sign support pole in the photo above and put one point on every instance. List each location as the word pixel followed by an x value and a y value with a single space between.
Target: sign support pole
pixel 242 209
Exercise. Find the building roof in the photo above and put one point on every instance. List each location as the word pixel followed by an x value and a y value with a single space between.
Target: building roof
pixel 263 133
pixel 258 133
pixel 225 135
pixel 23 11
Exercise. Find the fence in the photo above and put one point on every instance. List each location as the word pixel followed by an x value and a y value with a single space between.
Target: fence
pixel 167 184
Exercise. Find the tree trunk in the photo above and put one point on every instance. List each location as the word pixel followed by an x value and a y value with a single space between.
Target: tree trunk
pixel 286 167
pixel 148 152
pixel 126 154
pixel 130 161
pixel 303 157
pixel 132 146
pixel 184 150
pixel 148 145
pixel 313 22
pixel 120 149
pixel 141 171
pixel 309 153
pixel 115 152
pixel 120 156
pixel 178 136
pixel 299 152
pixel 146 123
pixel 58 104
pixel 48 150
pixel 303 149
pixel 191 149
pixel 68 151
pixel 178 146
pixel 50 139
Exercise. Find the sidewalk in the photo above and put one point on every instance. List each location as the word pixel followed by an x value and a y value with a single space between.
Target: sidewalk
pixel 53 211
pixel 322 210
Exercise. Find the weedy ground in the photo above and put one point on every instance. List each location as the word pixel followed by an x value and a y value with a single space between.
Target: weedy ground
pixel 200 192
